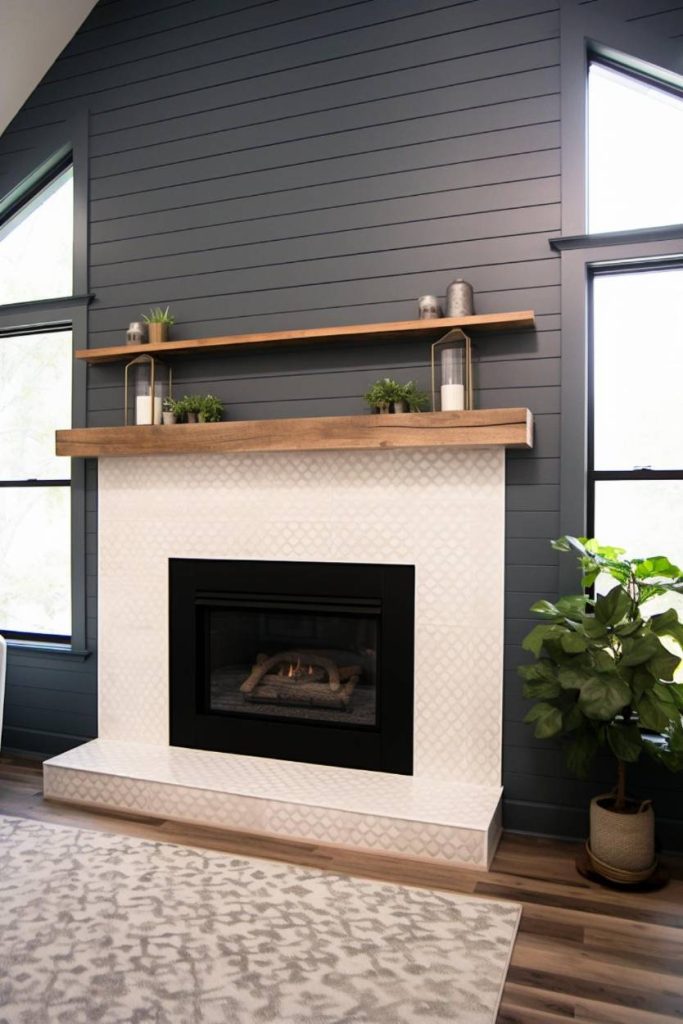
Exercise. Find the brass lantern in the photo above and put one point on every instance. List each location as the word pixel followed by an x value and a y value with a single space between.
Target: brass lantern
pixel 452 372
pixel 147 382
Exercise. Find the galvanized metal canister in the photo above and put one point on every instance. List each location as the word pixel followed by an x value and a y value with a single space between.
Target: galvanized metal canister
pixel 428 307
pixel 460 299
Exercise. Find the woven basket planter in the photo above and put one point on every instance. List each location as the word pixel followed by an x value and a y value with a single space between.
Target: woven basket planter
pixel 622 845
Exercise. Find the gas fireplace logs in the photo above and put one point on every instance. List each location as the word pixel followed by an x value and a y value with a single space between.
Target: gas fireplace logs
pixel 304 678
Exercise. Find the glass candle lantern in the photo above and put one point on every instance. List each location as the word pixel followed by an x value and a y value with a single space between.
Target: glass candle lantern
pixel 147 381
pixel 452 372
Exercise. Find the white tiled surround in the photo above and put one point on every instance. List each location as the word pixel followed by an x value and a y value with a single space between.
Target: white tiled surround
pixel 440 510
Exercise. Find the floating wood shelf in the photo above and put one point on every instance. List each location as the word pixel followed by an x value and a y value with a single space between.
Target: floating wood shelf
pixel 427 329
pixel 510 428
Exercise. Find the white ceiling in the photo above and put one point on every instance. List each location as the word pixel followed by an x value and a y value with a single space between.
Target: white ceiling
pixel 32 35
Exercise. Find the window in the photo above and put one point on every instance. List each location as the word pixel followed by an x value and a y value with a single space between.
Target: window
pixel 36 259
pixel 635 366
pixel 36 245
pixel 635 471
pixel 635 152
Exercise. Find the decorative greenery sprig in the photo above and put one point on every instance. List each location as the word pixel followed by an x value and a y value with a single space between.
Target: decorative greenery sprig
pixel 157 315
pixel 211 409
pixel 188 403
pixel 417 400
pixel 385 392
pixel 602 676
pixel 207 408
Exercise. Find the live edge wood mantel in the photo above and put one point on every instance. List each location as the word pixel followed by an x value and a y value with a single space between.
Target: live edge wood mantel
pixel 476 428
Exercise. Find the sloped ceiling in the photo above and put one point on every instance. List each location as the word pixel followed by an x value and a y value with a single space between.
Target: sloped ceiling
pixel 32 35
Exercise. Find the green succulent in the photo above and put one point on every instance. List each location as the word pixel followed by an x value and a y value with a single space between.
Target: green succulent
pixel 157 315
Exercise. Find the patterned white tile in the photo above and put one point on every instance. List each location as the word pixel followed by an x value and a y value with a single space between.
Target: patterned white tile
pixel 371 810
pixel 442 511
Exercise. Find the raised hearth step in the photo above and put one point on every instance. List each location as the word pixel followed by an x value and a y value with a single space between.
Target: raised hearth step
pixel 438 819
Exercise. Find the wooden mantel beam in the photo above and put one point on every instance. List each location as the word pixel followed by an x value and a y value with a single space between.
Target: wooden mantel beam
pixel 477 428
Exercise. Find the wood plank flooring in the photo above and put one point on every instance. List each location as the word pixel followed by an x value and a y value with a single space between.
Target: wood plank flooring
pixel 583 953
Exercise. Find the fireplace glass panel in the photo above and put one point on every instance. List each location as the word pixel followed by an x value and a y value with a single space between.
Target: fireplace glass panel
pixel 306 660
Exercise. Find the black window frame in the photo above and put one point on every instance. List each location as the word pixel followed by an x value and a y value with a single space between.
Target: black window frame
pixel 594 475
pixel 592 35
pixel 32 482
pixel 20 202
pixel 27 174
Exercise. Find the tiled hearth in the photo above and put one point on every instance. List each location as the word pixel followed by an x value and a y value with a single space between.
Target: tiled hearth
pixel 439 510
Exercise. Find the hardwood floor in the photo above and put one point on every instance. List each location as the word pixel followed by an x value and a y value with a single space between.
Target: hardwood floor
pixel 583 953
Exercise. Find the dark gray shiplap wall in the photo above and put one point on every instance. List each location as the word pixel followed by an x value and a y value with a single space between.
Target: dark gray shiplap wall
pixel 286 164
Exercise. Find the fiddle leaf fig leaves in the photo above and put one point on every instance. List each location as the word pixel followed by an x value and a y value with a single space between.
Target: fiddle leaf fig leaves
pixel 546 609
pixel 574 643
pixel 547 719
pixel 603 672
pixel 541 689
pixel 580 751
pixel 659 565
pixel 539 634
pixel 667 624
pixel 613 607
pixel 573 607
pixel 638 650
pixel 604 697
pixel 625 741
pixel 651 713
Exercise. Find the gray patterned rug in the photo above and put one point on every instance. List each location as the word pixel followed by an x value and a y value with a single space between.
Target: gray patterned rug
pixel 104 929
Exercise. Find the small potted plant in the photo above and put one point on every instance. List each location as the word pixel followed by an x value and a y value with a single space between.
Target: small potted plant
pixel 158 321
pixel 169 411
pixel 211 409
pixel 388 396
pixel 605 675
pixel 189 407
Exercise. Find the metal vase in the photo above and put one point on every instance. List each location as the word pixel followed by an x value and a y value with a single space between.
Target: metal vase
pixel 460 299
pixel 428 307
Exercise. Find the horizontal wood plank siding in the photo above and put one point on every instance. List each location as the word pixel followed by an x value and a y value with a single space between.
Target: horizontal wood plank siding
pixel 272 166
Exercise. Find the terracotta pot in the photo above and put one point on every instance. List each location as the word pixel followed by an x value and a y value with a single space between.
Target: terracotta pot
pixel 157 333
pixel 624 842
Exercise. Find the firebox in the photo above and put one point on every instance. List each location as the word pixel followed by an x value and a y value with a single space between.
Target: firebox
pixel 300 661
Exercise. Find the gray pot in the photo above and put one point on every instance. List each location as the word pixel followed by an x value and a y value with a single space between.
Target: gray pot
pixel 168 417
pixel 400 406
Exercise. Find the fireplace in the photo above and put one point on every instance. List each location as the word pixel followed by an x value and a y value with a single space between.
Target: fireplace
pixel 300 661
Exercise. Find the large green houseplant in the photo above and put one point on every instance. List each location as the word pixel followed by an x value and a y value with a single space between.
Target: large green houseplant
pixel 603 675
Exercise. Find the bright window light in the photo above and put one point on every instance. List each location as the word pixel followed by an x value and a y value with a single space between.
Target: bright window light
pixel 36 245
pixel 635 153
pixel 35 553
pixel 638 370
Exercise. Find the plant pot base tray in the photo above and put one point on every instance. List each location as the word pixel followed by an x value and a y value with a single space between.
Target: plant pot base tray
pixel 657 880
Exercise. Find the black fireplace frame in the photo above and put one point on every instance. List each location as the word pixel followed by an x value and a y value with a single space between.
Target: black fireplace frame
pixel 386 746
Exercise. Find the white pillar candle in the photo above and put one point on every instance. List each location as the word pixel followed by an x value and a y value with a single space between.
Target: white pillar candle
pixel 143 409
pixel 452 397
